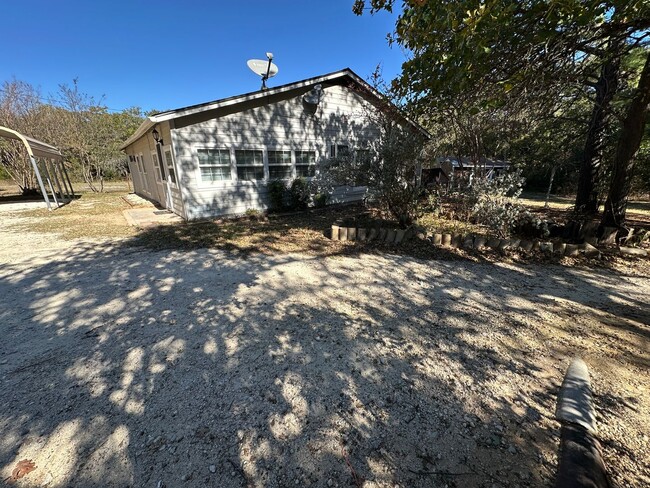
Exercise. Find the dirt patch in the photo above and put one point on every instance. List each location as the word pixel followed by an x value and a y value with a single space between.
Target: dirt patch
pixel 194 368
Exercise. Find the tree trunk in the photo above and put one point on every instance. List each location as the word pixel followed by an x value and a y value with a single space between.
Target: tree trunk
pixel 628 144
pixel 606 86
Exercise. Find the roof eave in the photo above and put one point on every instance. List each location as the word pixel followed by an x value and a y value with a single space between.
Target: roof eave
pixel 147 124
pixel 174 114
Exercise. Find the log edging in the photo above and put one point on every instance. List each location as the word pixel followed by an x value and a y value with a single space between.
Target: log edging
pixel 470 241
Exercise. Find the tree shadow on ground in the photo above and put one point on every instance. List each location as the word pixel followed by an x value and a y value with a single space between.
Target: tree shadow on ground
pixel 128 367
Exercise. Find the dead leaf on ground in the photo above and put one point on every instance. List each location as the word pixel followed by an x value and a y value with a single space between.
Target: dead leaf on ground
pixel 22 469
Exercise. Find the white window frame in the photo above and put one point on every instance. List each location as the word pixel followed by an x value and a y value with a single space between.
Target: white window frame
pixel 199 179
pixel 173 165
pixel 156 167
pixel 292 157
pixel 265 164
pixel 234 178
pixel 137 159
pixel 142 165
pixel 353 147
pixel 295 162
pixel 336 145
pixel 135 169
pixel 213 184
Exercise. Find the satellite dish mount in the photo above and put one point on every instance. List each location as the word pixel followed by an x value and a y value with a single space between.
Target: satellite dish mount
pixel 265 69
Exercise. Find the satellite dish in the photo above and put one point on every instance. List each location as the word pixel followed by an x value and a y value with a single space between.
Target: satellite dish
pixel 312 97
pixel 266 69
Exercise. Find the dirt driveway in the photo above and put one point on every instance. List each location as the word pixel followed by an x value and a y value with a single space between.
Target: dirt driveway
pixel 126 367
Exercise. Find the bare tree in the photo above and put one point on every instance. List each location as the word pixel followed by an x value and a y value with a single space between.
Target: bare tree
pixel 20 110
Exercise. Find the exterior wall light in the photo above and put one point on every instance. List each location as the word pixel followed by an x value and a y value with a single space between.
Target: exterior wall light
pixel 156 136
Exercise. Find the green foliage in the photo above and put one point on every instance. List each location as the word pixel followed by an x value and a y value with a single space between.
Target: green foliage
pixel 277 193
pixel 300 192
pixel 432 203
pixel 516 78
pixel 462 45
pixel 299 195
pixel 320 200
pixel 321 187
pixel 494 202
pixel 253 213
pixel 391 171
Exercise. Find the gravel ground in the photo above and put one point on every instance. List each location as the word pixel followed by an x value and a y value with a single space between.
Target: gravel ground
pixel 125 367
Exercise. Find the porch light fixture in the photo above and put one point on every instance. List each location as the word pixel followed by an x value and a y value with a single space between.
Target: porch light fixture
pixel 156 136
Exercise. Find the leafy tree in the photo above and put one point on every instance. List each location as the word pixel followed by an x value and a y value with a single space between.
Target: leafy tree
pixel 628 144
pixel 540 50
pixel 389 167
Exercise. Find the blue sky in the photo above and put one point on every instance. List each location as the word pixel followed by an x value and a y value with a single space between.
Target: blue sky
pixel 164 54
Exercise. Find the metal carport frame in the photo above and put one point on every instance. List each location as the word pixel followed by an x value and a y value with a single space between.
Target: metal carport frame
pixel 56 170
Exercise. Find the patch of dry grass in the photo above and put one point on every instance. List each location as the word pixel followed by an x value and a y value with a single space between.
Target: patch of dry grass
pixel 444 225
pixel 304 232
pixel 91 216
pixel 538 200
pixel 99 216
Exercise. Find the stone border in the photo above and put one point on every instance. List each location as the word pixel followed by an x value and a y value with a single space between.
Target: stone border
pixel 397 236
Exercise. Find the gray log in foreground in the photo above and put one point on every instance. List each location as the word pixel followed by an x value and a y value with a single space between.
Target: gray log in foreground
pixel 581 463
pixel 574 404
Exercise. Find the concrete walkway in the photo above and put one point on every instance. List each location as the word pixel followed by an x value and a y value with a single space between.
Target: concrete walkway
pixel 150 217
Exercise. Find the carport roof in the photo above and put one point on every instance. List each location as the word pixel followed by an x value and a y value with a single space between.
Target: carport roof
pixel 34 146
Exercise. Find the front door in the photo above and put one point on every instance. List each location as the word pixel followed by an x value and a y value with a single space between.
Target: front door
pixel 144 186
pixel 170 181
pixel 161 187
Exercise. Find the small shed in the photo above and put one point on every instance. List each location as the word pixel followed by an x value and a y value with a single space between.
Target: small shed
pixel 217 158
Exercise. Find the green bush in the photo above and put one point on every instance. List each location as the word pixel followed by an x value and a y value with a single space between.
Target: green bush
pixel 320 199
pixel 431 203
pixel 299 194
pixel 277 194
pixel 321 188
pixel 253 213
pixel 494 202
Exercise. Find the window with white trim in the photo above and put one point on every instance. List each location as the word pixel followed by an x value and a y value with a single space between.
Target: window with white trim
pixel 169 163
pixel 138 163
pixel 362 162
pixel 250 164
pixel 280 165
pixel 157 169
pixel 214 164
pixel 305 163
pixel 339 150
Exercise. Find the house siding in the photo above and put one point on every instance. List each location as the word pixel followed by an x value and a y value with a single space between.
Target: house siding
pixel 276 123
pixel 147 185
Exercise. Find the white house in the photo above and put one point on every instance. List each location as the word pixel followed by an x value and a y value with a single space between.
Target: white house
pixel 217 158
